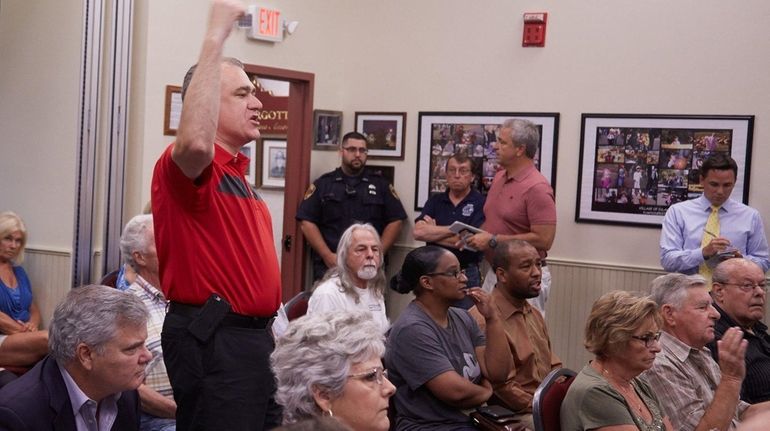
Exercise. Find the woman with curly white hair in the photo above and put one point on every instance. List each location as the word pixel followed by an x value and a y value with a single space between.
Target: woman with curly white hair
pixel 329 364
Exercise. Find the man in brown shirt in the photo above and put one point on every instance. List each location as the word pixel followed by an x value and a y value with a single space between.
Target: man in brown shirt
pixel 517 266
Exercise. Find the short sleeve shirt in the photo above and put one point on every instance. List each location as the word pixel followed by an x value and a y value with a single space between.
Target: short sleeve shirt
pixel 417 351
pixel 469 211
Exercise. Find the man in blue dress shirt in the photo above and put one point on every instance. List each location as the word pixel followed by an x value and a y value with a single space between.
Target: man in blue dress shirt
pixel 740 231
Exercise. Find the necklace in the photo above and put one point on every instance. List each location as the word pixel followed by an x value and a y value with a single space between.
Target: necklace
pixel 626 389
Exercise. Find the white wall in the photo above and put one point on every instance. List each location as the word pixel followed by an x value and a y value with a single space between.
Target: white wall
pixel 39 71
pixel 605 56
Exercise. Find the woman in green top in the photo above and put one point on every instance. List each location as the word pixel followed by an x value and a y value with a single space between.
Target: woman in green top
pixel 622 332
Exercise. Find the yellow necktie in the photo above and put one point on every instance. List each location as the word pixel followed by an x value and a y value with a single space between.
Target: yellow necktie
pixel 710 232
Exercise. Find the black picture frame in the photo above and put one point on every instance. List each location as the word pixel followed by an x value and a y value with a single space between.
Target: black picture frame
pixel 474 132
pixel 632 167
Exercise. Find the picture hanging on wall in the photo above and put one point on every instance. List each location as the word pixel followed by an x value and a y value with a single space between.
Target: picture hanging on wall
pixel 633 167
pixel 389 172
pixel 173 110
pixel 273 163
pixel 384 133
pixel 442 134
pixel 250 150
pixel 327 130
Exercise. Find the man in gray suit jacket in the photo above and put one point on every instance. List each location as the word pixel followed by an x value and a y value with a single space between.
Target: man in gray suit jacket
pixel 96 362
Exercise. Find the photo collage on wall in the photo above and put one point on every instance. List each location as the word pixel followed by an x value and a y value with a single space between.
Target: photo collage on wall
pixel 473 140
pixel 645 170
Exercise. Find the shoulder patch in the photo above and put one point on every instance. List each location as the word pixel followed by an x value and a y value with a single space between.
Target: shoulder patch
pixel 393 191
pixel 309 192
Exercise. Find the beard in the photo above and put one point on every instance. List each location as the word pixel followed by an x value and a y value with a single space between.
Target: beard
pixel 367 272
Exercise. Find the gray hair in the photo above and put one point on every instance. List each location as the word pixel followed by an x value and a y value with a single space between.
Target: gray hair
pixel 317 352
pixel 375 285
pixel 725 268
pixel 136 237
pixel 92 315
pixel 188 76
pixel 672 288
pixel 524 133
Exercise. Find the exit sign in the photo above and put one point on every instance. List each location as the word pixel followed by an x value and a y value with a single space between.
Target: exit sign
pixel 266 24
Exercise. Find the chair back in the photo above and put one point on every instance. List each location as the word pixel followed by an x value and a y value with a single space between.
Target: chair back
pixel 546 403
pixel 297 306
pixel 110 279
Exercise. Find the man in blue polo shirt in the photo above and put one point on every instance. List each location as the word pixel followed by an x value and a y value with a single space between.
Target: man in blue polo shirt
pixel 458 203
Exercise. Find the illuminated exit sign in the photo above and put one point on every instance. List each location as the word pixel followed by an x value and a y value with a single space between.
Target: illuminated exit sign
pixel 266 24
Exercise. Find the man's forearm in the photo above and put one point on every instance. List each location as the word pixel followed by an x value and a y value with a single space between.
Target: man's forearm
pixel 315 239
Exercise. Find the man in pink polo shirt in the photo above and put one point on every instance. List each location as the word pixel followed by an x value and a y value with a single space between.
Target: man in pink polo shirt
pixel 520 202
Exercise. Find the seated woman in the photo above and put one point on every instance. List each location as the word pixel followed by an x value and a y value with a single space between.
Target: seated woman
pixel 438 358
pixel 328 364
pixel 622 331
pixel 21 341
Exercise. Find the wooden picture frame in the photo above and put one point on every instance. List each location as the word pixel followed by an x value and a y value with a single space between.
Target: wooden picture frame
pixel 173 110
pixel 327 130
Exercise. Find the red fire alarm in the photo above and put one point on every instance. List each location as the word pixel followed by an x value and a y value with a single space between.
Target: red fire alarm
pixel 534 29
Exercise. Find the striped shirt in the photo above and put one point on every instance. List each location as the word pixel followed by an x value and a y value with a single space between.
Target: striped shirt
pixel 685 379
pixel 156 377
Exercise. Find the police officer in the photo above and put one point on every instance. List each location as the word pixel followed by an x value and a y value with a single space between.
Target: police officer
pixel 346 195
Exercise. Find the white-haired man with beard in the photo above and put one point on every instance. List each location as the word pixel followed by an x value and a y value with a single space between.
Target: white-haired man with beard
pixel 358 280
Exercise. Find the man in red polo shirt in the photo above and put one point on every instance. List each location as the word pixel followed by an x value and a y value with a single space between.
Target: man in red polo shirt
pixel 520 204
pixel 218 265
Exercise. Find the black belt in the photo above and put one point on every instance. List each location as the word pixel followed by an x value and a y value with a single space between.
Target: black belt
pixel 230 319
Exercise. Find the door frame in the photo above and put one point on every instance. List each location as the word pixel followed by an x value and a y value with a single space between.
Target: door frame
pixel 299 141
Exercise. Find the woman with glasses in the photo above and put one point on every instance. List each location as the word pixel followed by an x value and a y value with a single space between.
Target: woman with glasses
pixel 622 332
pixel 328 364
pixel 438 358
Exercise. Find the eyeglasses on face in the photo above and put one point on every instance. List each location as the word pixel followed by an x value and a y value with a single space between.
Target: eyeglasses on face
pixel 746 287
pixel 454 273
pixel 647 339
pixel 376 374
pixel 353 150
pixel 461 171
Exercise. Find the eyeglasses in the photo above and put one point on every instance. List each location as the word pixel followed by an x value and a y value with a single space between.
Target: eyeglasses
pixel 455 273
pixel 376 374
pixel 463 171
pixel 353 150
pixel 746 287
pixel 647 338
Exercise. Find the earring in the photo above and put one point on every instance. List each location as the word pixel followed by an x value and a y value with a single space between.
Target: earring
pixel 329 413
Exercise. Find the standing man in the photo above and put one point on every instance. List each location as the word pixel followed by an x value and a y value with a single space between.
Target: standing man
pixel 739 292
pixel 699 233
pixel 517 265
pixel 344 196
pixel 520 203
pixel 137 246
pixel 214 237
pixel 459 203
pixel 89 380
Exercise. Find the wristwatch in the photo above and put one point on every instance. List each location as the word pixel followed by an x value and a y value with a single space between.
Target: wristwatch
pixel 493 242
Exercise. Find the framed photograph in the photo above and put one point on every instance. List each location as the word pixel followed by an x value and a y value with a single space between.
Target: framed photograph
pixel 384 133
pixel 633 167
pixel 273 163
pixel 441 134
pixel 327 129
pixel 173 111
pixel 250 150
pixel 389 172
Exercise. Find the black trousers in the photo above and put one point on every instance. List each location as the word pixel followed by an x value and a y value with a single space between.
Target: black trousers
pixel 224 383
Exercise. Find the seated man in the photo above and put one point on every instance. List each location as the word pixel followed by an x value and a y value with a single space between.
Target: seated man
pixel 695 392
pixel 137 245
pixel 97 361
pixel 517 266
pixel 739 293
pixel 358 280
